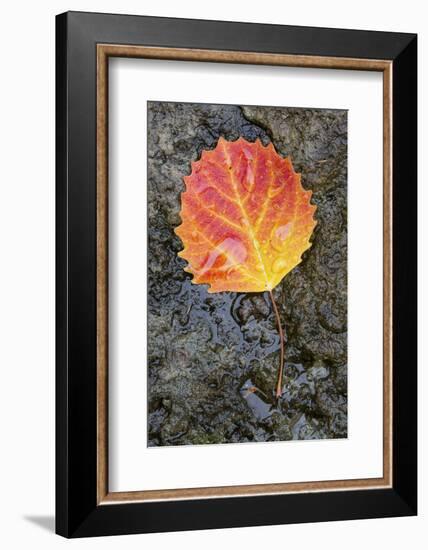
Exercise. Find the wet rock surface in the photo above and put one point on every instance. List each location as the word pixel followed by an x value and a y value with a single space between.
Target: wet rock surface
pixel 213 358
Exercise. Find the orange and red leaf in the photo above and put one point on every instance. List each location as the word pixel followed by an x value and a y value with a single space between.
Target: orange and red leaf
pixel 246 219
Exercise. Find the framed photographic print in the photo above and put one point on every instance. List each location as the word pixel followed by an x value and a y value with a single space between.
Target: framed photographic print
pixel 236 274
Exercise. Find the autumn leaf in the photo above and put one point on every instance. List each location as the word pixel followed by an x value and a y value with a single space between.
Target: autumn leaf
pixel 246 219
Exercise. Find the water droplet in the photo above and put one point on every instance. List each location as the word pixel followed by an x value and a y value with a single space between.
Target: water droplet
pixel 213 260
pixel 279 264
pixel 229 253
pixel 235 250
pixel 248 179
pixel 283 231
pixel 280 235
pixel 244 222
pixel 245 172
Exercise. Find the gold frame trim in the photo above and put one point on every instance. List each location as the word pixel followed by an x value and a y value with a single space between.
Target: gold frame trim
pixel 104 51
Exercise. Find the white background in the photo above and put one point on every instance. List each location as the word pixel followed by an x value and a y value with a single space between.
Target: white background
pixel 27 274
pixel 132 465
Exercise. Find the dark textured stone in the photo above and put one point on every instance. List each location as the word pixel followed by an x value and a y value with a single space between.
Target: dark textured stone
pixel 213 358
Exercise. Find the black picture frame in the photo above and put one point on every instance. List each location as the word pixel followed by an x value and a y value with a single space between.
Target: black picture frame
pixel 77 512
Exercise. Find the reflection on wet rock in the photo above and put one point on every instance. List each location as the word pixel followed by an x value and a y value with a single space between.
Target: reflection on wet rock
pixel 212 358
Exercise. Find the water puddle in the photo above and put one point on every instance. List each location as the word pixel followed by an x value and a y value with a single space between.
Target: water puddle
pixel 259 408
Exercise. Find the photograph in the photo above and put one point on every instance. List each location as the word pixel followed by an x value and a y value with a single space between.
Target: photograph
pixel 212 275
pixel 247 273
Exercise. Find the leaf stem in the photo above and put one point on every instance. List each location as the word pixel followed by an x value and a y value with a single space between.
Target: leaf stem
pixel 278 392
